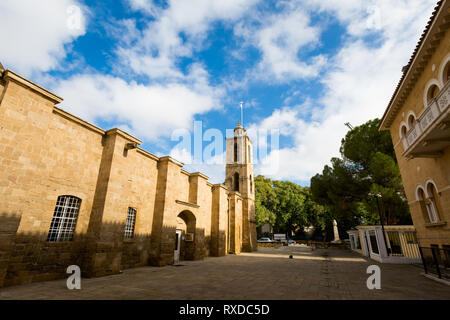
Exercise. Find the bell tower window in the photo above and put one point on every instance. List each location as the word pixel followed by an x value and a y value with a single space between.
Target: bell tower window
pixel 235 150
pixel 236 181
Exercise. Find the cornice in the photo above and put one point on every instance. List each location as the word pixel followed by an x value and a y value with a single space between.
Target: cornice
pixel 77 120
pixel 12 76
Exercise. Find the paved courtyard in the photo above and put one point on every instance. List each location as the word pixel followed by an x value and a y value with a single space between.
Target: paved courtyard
pixel 266 274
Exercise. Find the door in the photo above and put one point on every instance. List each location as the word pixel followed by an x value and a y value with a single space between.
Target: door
pixel 176 253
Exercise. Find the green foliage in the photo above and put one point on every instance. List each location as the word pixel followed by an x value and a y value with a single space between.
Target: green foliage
pixel 264 201
pixel 361 143
pixel 287 206
pixel 368 165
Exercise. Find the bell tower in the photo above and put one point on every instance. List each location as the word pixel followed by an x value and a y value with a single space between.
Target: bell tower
pixel 239 180
pixel 239 167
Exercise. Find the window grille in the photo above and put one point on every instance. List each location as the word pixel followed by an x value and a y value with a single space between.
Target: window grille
pixel 131 221
pixel 64 219
pixel 394 241
pixel 411 237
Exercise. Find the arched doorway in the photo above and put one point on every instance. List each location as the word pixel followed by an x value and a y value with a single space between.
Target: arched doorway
pixel 184 237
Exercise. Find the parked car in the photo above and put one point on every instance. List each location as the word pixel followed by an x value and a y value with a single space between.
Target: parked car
pixel 264 239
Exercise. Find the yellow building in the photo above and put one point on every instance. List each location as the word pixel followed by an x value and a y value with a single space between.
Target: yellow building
pixel 74 194
pixel 418 118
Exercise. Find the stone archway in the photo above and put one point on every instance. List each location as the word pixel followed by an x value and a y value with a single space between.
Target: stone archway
pixel 186 225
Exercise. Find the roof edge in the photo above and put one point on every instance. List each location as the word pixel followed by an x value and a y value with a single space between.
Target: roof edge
pixel 407 69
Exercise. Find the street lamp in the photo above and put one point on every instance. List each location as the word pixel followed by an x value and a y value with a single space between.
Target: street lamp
pixel 379 196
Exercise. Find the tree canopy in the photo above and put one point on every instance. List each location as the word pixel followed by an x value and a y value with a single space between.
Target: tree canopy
pixel 287 206
pixel 367 166
pixel 343 191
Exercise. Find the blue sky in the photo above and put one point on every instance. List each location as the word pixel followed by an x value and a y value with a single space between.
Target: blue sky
pixel 152 68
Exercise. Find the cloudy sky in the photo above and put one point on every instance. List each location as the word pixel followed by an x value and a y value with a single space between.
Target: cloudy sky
pixel 151 67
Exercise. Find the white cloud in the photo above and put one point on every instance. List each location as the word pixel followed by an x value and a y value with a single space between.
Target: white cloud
pixel 285 120
pixel 393 18
pixel 147 6
pixel 150 111
pixel 280 43
pixel 284 40
pixel 357 88
pixel 357 85
pixel 176 32
pixel 34 35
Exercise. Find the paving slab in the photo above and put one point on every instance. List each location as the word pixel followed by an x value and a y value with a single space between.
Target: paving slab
pixel 268 274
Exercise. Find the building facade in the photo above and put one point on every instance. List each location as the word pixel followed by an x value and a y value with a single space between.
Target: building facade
pixel 74 194
pixel 418 118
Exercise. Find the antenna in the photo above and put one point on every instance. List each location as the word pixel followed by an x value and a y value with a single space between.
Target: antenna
pixel 242 113
pixel 349 125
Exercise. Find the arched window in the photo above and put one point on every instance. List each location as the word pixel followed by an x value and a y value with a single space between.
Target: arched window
pixel 433 203
pixel 64 219
pixel 403 131
pixel 423 206
pixel 236 182
pixel 411 121
pixel 251 183
pixel 130 223
pixel 446 74
pixel 432 92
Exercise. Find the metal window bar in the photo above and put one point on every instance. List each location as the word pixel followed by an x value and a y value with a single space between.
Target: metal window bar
pixel 130 223
pixel 436 261
pixel 64 219
pixel 410 245
pixel 411 237
pixel 394 243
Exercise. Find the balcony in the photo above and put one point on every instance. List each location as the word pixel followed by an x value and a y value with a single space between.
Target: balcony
pixel 430 134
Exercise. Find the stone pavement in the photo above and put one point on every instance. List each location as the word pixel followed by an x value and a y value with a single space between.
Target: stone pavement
pixel 266 274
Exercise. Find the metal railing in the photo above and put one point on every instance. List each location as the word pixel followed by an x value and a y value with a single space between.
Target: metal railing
pixel 433 110
pixel 403 244
pixel 436 261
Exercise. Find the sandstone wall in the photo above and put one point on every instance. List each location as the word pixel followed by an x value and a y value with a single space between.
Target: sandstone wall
pixel 43 155
pixel 46 152
pixel 417 171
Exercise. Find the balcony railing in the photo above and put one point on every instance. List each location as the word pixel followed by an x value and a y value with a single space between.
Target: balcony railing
pixel 436 107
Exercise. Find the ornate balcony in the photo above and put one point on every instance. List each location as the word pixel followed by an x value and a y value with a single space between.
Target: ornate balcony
pixel 430 134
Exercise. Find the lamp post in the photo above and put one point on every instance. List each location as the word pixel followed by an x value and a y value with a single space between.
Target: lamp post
pixel 378 195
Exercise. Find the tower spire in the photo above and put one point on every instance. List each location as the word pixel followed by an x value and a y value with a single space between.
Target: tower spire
pixel 242 114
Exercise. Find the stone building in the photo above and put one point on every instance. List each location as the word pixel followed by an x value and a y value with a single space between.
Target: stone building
pixel 74 194
pixel 418 118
